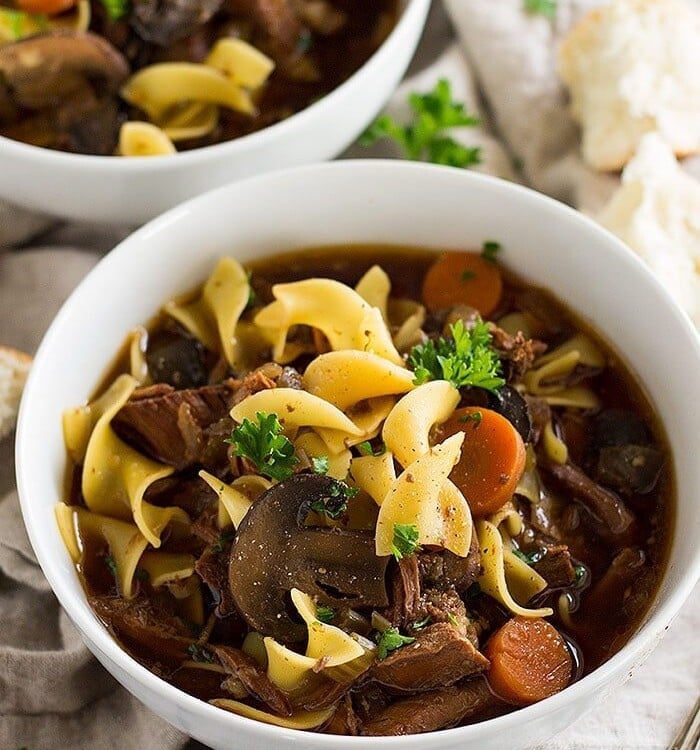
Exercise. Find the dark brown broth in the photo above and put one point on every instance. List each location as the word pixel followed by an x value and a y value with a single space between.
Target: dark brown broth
pixel 616 387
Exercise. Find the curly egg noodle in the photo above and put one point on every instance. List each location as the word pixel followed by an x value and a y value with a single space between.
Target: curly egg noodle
pixel 358 390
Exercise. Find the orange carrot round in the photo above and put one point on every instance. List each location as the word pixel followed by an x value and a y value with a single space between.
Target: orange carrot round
pixel 529 661
pixel 462 279
pixel 492 461
pixel 47 7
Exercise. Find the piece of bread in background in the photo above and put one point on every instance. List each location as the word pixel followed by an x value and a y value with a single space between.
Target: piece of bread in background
pixel 633 67
pixel 14 368
pixel 656 211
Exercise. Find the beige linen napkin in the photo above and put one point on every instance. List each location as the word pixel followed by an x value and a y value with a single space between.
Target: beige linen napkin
pixel 52 693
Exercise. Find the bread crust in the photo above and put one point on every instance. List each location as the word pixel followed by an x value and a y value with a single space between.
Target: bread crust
pixel 14 368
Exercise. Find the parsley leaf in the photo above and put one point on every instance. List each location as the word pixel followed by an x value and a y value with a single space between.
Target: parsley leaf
pixel 490 250
pixel 337 501
pixel 220 543
pixel 530 558
pixel 453 620
pixel 425 138
pixel 390 640
pixel 116 9
pixel 420 624
pixel 546 8
pixel 581 575
pixel 199 653
pixel 466 359
pixel 405 540
pixel 264 445
pixel 319 464
pixel 367 450
pixel 475 417
pixel 111 564
pixel 252 296
pixel 324 614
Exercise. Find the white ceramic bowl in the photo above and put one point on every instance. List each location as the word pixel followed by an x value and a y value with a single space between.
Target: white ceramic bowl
pixel 362 202
pixel 131 191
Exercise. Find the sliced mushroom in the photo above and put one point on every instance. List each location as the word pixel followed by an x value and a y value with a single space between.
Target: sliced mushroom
pixel 508 402
pixel 58 90
pixel 274 552
pixel 43 71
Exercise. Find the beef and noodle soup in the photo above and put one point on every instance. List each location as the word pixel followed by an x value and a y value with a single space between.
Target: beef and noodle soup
pixel 368 491
pixel 138 77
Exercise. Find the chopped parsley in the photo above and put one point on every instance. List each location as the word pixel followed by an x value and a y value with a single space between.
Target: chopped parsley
pixel 546 8
pixel 490 250
pixel 530 558
pixel 324 614
pixel 426 139
pixel 116 9
pixel 264 445
pixel 405 541
pixel 420 624
pixel 467 275
pixel 199 653
pixel 475 417
pixel 390 640
pixel 252 296
pixel 453 620
pixel 466 359
pixel 111 564
pixel 367 450
pixel 580 571
pixel 336 503
pixel 220 543
pixel 319 464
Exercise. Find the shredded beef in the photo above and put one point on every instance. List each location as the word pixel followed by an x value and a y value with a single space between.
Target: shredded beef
pixel 517 352
pixel 254 678
pixel 430 711
pixel 604 504
pixel 212 568
pixel 404 591
pixel 169 426
pixel 345 720
pixel 444 569
pixel 439 656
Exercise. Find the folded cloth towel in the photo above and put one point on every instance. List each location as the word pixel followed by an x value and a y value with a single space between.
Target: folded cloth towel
pixel 52 692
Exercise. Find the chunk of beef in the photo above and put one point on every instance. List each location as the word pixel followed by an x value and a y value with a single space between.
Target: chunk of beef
pixel 404 590
pixel 439 656
pixel 253 678
pixel 345 720
pixel 444 569
pixel 517 352
pixel 169 426
pixel 324 694
pixel 150 632
pixel 212 568
pixel 619 427
pixel 540 415
pixel 430 711
pixel 556 567
pixel 604 504
pixel 205 526
pixel 446 605
pixel 191 493
pixel 166 21
pixel 276 22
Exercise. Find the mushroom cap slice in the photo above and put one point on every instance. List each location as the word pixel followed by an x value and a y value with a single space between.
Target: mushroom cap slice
pixel 273 552
pixel 43 70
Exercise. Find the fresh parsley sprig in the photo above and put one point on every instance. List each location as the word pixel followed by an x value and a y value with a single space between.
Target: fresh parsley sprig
pixel 546 8
pixel 116 9
pixel 466 359
pixel 426 139
pixel 389 641
pixel 405 541
pixel 324 614
pixel 366 449
pixel 265 445
pixel 336 502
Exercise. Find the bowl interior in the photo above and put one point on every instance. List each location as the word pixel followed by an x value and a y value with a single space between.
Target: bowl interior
pixel 362 202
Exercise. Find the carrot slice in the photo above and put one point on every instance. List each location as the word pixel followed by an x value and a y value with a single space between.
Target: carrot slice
pixel 529 661
pixel 462 279
pixel 47 7
pixel 492 460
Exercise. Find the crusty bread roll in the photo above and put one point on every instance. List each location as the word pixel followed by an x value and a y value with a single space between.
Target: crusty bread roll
pixel 14 368
pixel 656 211
pixel 633 67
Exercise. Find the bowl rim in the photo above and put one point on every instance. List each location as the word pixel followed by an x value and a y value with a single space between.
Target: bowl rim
pixel 98 638
pixel 411 11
